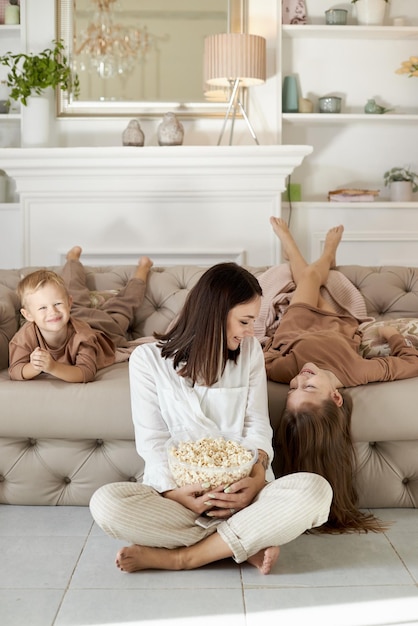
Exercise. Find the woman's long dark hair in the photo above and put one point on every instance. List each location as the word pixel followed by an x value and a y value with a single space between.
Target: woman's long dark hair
pixel 317 439
pixel 197 342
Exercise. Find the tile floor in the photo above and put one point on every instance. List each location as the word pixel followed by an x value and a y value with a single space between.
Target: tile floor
pixel 56 568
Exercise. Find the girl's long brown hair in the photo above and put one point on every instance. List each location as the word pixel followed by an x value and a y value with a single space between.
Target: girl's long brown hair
pixel 317 439
pixel 197 341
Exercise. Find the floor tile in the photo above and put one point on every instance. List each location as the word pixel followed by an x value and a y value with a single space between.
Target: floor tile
pixel 39 521
pixel 29 607
pixel 38 562
pixel 336 606
pixel 334 560
pixel 96 570
pixel 174 607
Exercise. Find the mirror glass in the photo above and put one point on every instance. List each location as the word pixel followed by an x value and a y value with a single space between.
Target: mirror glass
pixel 143 56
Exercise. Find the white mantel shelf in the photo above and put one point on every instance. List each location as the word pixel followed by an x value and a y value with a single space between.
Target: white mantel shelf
pixel 153 165
pixel 178 204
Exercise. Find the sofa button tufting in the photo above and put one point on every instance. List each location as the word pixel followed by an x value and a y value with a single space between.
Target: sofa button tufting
pixel 132 479
pixel 372 444
pixel 405 481
pixel 99 442
pixel 67 480
pixel 2 478
pixel 32 441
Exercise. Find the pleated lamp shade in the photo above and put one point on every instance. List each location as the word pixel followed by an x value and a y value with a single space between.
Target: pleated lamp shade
pixel 229 56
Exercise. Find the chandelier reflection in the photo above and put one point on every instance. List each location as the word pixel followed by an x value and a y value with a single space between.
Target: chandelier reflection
pixel 111 49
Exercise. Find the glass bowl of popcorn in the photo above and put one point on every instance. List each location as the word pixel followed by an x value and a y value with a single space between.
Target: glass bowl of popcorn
pixel 209 460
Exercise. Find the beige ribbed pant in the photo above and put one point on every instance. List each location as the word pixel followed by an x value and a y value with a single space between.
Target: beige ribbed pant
pixel 282 511
pixel 116 314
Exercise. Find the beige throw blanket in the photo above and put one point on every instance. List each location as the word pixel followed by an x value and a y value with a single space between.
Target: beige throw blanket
pixel 278 287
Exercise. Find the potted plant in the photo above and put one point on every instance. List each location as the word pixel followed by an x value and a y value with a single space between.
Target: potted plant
pixel 402 182
pixel 370 12
pixel 32 74
pixel 29 79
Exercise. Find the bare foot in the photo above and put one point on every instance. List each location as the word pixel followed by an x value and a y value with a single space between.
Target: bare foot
pixel 136 558
pixel 74 254
pixel 265 559
pixel 332 241
pixel 282 231
pixel 143 268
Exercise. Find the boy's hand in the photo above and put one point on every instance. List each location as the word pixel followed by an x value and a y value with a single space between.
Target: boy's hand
pixel 41 360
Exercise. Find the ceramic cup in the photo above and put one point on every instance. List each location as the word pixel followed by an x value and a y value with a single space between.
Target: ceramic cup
pixel 305 105
pixel 330 104
pixel 336 17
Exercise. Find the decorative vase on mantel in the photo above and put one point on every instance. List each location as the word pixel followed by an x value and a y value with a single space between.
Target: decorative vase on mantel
pixel 370 12
pixel 170 132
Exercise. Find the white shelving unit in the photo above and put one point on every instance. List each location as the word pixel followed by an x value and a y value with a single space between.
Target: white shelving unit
pixel 12 38
pixel 352 148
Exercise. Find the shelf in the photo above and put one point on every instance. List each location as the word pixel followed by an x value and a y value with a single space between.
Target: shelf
pixel 388 204
pixel 326 118
pixel 9 206
pixel 294 31
pixel 9 117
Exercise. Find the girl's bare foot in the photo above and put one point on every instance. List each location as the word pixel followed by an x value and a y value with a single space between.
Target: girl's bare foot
pixel 265 559
pixel 74 254
pixel 290 250
pixel 332 240
pixel 143 268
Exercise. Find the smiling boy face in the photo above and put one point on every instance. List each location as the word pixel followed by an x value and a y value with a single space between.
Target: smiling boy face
pixel 49 307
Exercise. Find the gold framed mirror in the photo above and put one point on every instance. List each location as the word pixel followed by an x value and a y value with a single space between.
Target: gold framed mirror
pixel 143 57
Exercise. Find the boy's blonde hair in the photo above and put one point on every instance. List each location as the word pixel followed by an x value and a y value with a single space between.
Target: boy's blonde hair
pixel 36 280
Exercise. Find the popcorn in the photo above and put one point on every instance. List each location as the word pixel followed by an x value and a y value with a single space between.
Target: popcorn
pixel 213 461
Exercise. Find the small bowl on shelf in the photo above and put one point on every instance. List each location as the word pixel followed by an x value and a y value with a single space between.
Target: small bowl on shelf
pixel 330 104
pixel 212 460
pixel 336 17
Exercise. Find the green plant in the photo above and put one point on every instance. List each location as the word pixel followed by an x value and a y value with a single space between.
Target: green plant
pixel 397 174
pixel 31 74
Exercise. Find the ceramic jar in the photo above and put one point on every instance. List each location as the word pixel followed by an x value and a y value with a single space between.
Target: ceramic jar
pixel 170 132
pixel 133 135
pixel 370 12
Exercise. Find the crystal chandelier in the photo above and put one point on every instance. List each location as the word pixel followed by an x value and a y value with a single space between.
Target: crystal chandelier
pixel 109 48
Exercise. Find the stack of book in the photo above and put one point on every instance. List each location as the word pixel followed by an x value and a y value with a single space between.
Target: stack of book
pixel 352 195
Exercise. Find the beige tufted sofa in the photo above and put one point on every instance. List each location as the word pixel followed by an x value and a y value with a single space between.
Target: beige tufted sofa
pixel 61 441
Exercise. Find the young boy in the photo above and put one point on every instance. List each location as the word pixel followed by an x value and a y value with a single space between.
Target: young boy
pixel 64 336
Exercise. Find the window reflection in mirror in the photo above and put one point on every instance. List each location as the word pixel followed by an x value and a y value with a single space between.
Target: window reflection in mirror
pixel 157 56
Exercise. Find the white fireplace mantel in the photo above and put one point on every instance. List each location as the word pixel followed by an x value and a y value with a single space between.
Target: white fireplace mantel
pixel 177 204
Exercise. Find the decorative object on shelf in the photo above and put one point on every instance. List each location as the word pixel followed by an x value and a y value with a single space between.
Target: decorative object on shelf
pixel 352 195
pixel 330 104
pixel 290 95
pixel 171 131
pixel 3 187
pixel 409 67
pixel 133 135
pixel 336 17
pixel 402 183
pixel 12 13
pixel 235 61
pixel 370 12
pixel 111 49
pixel 372 107
pixel 293 12
pixel 305 105
pixel 32 74
pixel 4 106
